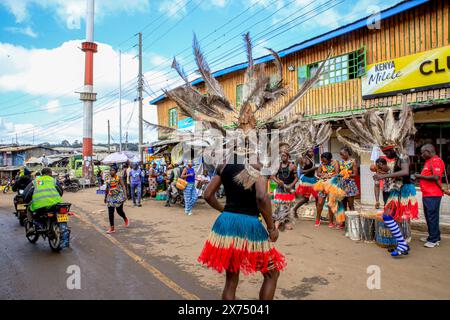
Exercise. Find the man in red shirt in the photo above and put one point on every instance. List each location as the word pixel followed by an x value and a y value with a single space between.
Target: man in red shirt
pixel 431 187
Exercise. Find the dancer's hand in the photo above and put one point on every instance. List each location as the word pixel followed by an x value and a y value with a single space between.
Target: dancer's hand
pixel 273 235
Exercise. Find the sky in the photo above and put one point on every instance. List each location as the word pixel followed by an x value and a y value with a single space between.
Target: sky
pixel 42 66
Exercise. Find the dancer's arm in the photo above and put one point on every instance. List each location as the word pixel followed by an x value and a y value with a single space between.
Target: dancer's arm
pixel 210 193
pixel 265 207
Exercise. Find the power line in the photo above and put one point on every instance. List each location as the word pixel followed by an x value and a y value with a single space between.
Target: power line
pixel 237 50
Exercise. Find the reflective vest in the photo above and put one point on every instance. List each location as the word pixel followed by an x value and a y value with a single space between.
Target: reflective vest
pixel 45 193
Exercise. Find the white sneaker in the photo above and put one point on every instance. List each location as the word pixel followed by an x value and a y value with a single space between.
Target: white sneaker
pixel 189 213
pixel 424 239
pixel 429 244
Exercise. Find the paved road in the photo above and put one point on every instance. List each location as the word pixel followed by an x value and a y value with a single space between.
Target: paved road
pixel 108 270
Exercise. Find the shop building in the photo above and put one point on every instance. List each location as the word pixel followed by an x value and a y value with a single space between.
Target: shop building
pixel 405 54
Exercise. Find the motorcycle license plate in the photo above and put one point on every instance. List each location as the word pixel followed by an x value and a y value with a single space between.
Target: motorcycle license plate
pixel 21 207
pixel 62 218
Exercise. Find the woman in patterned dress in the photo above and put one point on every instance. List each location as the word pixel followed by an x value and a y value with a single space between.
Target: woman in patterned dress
pixel 115 196
pixel 329 190
pixel 348 170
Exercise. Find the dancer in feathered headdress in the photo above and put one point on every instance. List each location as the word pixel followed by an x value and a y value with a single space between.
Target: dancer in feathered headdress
pixel 238 241
pixel 392 136
pixel 305 135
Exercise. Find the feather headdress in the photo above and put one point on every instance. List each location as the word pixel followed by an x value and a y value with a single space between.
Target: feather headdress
pixel 259 91
pixel 380 129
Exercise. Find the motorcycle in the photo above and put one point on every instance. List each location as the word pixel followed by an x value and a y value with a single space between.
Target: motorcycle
pixel 70 185
pixel 221 192
pixel 21 208
pixel 176 196
pixel 51 225
pixel 8 186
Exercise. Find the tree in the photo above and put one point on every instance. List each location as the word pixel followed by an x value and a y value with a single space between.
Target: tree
pixel 65 143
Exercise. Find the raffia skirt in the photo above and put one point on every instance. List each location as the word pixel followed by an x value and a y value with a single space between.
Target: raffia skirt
pixel 239 242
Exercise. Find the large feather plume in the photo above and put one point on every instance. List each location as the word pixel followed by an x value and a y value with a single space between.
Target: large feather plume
pixel 373 130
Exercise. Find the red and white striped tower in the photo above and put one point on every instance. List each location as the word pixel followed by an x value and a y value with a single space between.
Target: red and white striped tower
pixel 88 96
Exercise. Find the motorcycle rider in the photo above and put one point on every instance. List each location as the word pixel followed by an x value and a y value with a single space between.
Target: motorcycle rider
pixel 42 194
pixel 21 184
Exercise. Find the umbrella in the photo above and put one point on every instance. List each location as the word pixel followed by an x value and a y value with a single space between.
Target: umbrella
pixel 116 157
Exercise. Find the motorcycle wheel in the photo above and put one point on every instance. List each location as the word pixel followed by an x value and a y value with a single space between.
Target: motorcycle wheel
pixel 173 200
pixel 5 190
pixel 54 239
pixel 34 237
pixel 21 220
pixel 74 187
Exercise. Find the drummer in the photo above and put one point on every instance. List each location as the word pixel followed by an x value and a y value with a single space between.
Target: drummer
pixel 382 167
pixel 401 203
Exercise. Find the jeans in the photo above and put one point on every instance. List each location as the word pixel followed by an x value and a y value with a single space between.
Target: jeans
pixel 190 197
pixel 431 207
pixel 137 187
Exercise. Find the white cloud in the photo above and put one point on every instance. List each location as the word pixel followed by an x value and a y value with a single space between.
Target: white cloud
pixel 53 71
pixel 53 106
pixel 28 31
pixel 72 12
pixel 17 8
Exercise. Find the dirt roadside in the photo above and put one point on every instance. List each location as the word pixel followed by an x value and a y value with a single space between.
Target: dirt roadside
pixel 322 263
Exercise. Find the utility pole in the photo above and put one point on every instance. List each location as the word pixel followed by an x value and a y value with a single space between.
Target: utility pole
pixel 17 141
pixel 140 89
pixel 120 100
pixel 109 138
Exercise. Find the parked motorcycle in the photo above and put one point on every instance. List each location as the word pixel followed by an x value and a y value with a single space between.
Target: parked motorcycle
pixel 21 208
pixel 221 192
pixel 70 185
pixel 51 225
pixel 8 186
pixel 176 196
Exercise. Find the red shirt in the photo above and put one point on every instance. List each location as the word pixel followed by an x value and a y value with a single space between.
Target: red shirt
pixel 432 167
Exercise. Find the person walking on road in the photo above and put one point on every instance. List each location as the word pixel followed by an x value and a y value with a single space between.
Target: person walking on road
pixel 115 197
pixel 432 193
pixel 136 184
pixel 238 240
pixel 190 192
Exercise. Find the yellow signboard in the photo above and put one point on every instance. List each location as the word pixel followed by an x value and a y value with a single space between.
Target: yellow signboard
pixel 421 71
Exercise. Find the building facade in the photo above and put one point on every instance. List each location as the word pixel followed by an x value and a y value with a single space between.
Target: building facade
pixel 17 156
pixel 405 53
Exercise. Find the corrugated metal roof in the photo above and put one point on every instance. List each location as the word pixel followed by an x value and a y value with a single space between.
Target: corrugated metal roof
pixel 361 23
pixel 23 148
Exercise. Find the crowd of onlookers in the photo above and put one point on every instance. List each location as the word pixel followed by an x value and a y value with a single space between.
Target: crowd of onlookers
pixel 178 182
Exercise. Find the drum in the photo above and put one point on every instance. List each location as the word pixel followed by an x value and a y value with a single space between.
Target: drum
pixel 384 237
pixel 368 221
pixel 352 225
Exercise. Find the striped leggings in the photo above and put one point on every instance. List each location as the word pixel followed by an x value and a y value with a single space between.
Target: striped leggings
pixel 396 232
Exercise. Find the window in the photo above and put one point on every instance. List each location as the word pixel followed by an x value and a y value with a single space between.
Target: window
pixel 173 117
pixel 336 69
pixel 239 97
pixel 302 75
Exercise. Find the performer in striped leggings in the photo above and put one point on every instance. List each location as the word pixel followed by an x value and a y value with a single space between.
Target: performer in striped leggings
pixel 401 203
pixel 392 135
